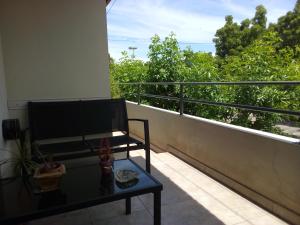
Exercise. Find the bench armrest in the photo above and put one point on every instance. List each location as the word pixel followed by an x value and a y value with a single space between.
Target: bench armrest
pixel 146 128
pixel 147 140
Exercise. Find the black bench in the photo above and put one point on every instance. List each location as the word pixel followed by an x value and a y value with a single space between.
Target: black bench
pixel 73 129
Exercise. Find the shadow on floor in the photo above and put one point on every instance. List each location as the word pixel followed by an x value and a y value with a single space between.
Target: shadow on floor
pixel 178 207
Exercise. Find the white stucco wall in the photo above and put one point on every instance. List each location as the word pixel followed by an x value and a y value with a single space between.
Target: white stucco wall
pixel 3 109
pixel 262 166
pixel 3 102
pixel 51 50
pixel 54 50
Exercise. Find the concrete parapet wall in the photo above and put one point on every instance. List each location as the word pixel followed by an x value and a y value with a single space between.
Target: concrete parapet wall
pixel 262 166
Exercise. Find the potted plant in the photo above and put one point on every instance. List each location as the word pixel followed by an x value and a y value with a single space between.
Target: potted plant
pixel 21 159
pixel 48 174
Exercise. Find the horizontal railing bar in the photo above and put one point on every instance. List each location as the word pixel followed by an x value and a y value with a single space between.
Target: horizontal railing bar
pixel 248 107
pixel 161 97
pixel 231 105
pixel 259 83
pixel 239 106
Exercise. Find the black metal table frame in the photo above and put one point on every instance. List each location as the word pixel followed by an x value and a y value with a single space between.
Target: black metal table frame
pixel 156 191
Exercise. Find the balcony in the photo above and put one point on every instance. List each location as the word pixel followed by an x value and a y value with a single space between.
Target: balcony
pixel 259 165
pixel 206 166
pixel 212 172
pixel 189 197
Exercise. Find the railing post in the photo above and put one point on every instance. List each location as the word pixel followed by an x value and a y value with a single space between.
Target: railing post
pixel 139 93
pixel 181 99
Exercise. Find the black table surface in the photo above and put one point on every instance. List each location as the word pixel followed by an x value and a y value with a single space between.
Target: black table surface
pixel 82 186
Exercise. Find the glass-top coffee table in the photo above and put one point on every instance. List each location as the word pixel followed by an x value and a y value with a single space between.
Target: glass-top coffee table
pixel 81 187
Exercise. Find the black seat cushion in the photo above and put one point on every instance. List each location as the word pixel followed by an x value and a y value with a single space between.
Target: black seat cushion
pixel 63 147
pixel 116 143
pixel 89 147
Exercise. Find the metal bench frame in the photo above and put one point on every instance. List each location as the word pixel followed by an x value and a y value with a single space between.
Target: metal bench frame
pixel 82 119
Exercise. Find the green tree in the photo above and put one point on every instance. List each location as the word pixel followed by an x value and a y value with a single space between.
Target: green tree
pixel 244 52
pixel 232 38
pixel 165 63
pixel 245 33
pixel 165 59
pixel 288 27
pixel 260 18
pixel 259 23
pixel 125 71
pixel 114 87
pixel 261 61
pixel 228 38
pixel 202 67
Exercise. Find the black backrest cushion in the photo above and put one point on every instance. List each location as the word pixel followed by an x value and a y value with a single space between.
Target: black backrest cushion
pixel 54 119
pixel 104 115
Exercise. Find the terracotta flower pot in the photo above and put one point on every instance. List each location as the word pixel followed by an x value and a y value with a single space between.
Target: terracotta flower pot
pixel 49 180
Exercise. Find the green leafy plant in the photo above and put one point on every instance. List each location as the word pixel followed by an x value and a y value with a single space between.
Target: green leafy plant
pixel 20 160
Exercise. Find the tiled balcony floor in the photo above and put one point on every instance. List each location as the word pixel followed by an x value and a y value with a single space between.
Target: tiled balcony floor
pixel 189 198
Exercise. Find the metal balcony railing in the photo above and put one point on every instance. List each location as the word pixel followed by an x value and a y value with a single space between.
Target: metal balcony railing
pixel 183 85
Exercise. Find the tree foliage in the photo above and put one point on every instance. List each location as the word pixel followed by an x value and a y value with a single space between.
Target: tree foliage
pixel 200 66
pixel 249 51
pixel 288 27
pixel 165 65
pixel 228 38
pixel 261 61
pixel 232 38
pixel 126 70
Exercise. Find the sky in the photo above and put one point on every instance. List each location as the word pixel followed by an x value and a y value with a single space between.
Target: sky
pixel 134 22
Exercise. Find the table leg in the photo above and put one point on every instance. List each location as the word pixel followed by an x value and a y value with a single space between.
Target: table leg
pixel 157 208
pixel 128 206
